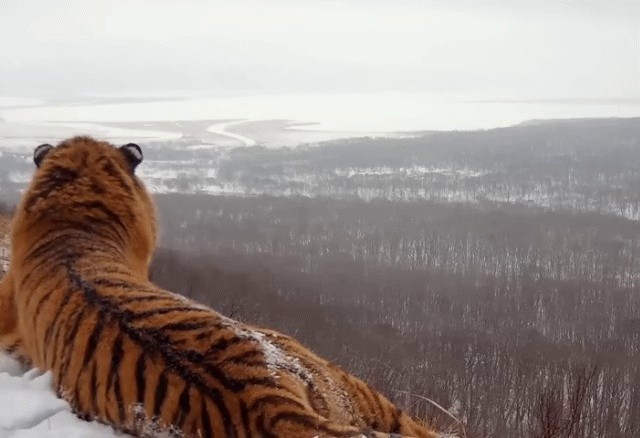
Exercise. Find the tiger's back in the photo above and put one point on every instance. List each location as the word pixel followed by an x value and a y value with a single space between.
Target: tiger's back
pixel 145 360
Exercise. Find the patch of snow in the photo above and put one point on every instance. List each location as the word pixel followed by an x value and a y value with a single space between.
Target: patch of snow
pixel 153 426
pixel 20 177
pixel 276 359
pixel 29 407
pixel 415 171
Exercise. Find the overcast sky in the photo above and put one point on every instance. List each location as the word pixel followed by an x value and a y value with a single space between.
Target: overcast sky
pixel 515 49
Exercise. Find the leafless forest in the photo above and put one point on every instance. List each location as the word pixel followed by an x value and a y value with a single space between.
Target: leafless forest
pixel 496 273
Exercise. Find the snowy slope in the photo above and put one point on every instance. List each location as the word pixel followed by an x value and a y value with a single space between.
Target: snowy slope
pixel 29 407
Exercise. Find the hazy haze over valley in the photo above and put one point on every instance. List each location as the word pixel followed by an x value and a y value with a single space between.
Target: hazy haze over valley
pixel 285 73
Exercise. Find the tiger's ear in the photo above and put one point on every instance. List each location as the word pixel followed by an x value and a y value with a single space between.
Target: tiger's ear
pixel 40 152
pixel 133 154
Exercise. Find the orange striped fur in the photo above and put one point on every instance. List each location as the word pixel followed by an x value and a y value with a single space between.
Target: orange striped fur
pixel 77 301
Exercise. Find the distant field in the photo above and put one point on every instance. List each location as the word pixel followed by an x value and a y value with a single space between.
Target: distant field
pixel 278 120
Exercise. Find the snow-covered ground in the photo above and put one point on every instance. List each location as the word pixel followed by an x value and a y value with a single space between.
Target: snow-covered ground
pixel 29 407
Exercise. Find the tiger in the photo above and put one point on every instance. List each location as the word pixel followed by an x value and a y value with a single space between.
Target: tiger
pixel 77 301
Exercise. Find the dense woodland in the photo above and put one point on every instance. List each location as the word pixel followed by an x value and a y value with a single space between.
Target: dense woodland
pixel 496 273
pixel 520 321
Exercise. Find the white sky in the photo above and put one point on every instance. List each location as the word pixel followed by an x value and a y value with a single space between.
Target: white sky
pixel 476 49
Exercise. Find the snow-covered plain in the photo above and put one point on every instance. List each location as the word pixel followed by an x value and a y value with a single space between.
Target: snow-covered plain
pixel 308 118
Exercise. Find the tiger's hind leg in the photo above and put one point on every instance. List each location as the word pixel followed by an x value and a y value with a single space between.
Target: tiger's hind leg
pixel 303 425
pixel 316 427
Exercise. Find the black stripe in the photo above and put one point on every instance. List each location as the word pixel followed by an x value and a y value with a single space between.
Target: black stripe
pixel 43 271
pixel 234 385
pixel 221 344
pixel 77 403
pixel 142 298
pixel 245 362
pixel 102 208
pixel 11 348
pixel 119 400
pixel 316 398
pixel 61 241
pixel 376 397
pixel 364 395
pixel 141 381
pixel 304 419
pixel 103 228
pixel 51 243
pixel 92 343
pixel 97 189
pixel 54 326
pixel 184 405
pixel 114 376
pixel 244 415
pixel 161 394
pixel 60 348
pixel 68 244
pixel 71 336
pixel 207 432
pixel 59 254
pixel 274 399
pixel 55 177
pixel 263 431
pixel 117 354
pixel 93 388
pixel 164 311
pixel 127 285
pixel 115 269
pixel 96 227
pixel 110 169
pixel 244 356
pixel 184 326
pixel 68 342
pixel 395 421
pixel 203 335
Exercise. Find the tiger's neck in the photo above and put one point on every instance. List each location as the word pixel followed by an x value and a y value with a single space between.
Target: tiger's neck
pixel 83 250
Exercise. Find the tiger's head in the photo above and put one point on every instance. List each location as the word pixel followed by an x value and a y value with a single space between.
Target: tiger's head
pixel 83 181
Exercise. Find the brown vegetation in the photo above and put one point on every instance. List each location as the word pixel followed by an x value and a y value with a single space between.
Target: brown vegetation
pixel 520 322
